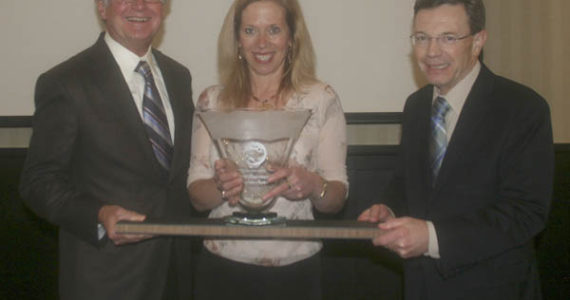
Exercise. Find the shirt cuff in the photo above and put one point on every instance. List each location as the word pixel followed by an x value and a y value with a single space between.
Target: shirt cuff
pixel 433 247
pixel 101 232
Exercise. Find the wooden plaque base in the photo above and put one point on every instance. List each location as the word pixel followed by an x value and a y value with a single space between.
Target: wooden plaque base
pixel 293 229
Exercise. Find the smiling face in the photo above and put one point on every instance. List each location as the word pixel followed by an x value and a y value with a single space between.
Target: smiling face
pixel 264 38
pixel 132 25
pixel 446 65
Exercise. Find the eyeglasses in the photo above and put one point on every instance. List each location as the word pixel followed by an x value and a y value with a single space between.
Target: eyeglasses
pixel 422 40
pixel 133 2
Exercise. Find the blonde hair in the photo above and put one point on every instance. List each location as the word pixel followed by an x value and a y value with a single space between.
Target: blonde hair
pixel 233 72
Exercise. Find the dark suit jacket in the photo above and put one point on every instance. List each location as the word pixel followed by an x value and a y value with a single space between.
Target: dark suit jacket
pixel 89 148
pixel 490 199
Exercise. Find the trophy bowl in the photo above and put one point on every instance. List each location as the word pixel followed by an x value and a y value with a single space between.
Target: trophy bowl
pixel 256 141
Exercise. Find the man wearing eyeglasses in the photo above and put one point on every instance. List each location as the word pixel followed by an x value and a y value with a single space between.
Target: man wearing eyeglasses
pixel 472 187
pixel 111 142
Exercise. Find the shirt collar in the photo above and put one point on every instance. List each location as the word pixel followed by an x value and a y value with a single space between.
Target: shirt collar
pixel 126 59
pixel 458 94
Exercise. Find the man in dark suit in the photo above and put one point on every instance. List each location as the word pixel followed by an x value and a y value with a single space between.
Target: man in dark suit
pixel 474 176
pixel 111 142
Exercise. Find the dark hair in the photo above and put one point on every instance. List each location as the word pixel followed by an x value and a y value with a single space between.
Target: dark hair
pixel 475 10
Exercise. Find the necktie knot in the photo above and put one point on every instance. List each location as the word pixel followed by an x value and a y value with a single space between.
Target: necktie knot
pixel 143 68
pixel 440 107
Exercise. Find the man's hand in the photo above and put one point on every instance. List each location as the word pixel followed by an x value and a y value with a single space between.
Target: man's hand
pixel 109 215
pixel 376 213
pixel 408 237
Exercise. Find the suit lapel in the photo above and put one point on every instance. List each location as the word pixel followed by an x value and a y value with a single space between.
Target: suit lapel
pixel 425 136
pixel 115 94
pixel 417 153
pixel 472 115
pixel 176 97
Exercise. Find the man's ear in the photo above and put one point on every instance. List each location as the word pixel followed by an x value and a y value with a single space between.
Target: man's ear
pixel 479 40
pixel 101 8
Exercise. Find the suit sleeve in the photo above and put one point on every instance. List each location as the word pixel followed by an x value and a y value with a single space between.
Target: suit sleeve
pixel 520 203
pixel 47 185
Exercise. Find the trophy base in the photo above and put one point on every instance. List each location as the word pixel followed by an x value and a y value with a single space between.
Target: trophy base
pixel 254 219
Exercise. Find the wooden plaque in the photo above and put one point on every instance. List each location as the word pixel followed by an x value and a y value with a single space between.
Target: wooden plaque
pixel 290 229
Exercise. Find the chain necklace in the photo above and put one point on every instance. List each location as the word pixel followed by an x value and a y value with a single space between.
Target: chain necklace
pixel 265 102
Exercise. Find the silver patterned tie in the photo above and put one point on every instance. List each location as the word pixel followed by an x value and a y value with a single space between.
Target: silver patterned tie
pixel 154 118
pixel 438 141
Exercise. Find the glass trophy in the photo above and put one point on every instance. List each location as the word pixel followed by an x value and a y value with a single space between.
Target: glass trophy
pixel 256 141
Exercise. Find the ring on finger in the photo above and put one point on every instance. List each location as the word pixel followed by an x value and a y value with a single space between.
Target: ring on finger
pixel 223 194
pixel 289 184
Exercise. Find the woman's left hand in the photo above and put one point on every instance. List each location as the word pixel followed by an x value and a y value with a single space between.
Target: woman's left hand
pixel 297 183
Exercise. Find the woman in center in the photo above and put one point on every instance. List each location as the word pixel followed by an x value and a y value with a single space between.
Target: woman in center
pixel 266 61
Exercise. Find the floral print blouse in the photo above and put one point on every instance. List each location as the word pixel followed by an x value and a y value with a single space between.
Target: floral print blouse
pixel 321 147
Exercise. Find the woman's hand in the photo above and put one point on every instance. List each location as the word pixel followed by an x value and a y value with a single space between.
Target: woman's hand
pixel 228 181
pixel 297 183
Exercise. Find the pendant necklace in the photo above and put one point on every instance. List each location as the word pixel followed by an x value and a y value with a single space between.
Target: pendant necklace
pixel 265 102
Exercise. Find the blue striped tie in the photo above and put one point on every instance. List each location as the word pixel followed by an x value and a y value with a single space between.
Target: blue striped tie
pixel 154 118
pixel 438 142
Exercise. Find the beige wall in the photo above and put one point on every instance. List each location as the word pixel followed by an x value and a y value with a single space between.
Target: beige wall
pixel 529 41
pixel 362 47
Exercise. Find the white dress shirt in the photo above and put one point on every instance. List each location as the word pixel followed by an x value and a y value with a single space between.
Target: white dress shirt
pixel 128 62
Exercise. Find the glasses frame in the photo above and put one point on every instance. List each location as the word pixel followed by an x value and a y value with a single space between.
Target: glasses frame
pixel 442 40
